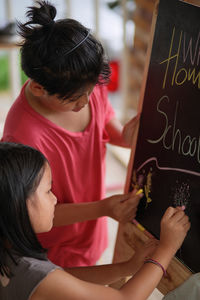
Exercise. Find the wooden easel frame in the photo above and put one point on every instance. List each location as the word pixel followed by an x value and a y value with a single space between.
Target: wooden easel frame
pixel 129 237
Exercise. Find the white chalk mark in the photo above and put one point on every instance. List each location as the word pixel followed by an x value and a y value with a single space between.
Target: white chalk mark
pixel 166 168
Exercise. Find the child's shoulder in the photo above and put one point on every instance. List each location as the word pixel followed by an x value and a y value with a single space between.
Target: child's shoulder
pixel 36 268
pixel 100 94
pixel 100 90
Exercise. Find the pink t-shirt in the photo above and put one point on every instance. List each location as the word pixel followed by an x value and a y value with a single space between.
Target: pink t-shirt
pixel 77 160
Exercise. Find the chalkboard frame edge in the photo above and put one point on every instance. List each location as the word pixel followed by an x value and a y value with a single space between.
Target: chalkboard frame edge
pixel 140 104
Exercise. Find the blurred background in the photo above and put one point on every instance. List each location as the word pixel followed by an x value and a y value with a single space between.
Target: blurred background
pixel 122 26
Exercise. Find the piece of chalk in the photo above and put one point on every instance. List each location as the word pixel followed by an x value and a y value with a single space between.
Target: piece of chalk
pixel 140 227
pixel 139 192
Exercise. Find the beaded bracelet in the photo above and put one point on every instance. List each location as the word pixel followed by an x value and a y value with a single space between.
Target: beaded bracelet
pixel 155 262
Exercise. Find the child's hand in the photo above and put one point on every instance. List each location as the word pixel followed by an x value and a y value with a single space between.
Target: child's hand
pixel 129 130
pixel 122 208
pixel 174 227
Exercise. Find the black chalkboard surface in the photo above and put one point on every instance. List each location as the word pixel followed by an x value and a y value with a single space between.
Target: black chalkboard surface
pixel 166 162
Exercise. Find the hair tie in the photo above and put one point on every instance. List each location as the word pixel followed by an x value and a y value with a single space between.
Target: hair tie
pixel 50 28
pixel 155 262
pixel 64 52
pixel 52 22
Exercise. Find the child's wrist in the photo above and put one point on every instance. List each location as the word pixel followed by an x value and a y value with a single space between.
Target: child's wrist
pixel 166 248
pixel 103 208
pixel 158 264
pixel 163 255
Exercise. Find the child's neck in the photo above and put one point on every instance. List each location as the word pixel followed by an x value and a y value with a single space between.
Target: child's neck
pixel 36 103
pixel 69 120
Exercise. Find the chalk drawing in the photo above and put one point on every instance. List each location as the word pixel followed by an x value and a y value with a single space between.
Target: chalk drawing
pixel 167 168
pixel 181 194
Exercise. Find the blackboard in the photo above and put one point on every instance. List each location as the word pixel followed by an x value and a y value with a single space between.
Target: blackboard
pixel 166 162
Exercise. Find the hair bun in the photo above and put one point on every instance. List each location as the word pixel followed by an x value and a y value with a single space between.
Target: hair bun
pixel 42 14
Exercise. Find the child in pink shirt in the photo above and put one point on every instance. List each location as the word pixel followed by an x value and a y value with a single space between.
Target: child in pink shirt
pixel 64 112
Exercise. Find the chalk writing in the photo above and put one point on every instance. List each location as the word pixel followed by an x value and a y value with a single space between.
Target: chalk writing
pixel 179 76
pixel 185 145
pixel 193 57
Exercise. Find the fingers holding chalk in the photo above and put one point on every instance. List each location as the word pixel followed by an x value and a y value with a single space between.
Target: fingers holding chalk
pixel 139 192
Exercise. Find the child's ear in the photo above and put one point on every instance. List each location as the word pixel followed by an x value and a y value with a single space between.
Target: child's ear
pixel 36 89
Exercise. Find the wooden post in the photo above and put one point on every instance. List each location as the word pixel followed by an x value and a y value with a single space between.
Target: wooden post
pixel 13 53
pixel 97 18
pixel 68 9
pixel 124 62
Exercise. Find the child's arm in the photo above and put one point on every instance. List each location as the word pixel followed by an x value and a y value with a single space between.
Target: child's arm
pixel 174 227
pixel 61 285
pixel 119 135
pixel 119 207
pixel 107 274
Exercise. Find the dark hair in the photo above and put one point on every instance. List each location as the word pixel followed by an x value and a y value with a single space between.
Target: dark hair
pixel 50 57
pixel 21 169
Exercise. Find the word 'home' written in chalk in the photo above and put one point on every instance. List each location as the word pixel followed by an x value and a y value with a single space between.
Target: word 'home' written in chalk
pixel 190 53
